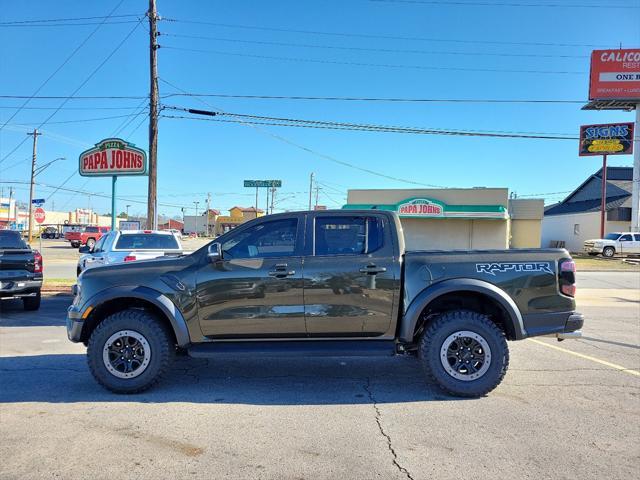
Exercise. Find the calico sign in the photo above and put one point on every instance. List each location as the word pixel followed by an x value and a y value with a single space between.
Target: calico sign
pixel 607 139
pixel 615 75
pixel 113 157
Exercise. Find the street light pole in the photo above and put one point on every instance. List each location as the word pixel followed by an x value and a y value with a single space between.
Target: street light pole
pixel 128 212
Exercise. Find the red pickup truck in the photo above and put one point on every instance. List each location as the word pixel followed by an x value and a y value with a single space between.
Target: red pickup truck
pixel 89 236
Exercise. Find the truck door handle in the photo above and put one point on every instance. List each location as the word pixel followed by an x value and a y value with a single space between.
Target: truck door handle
pixel 372 270
pixel 280 271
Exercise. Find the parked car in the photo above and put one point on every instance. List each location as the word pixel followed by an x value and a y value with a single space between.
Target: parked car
pixel 622 243
pixel 50 232
pixel 332 283
pixel 128 246
pixel 20 270
pixel 89 236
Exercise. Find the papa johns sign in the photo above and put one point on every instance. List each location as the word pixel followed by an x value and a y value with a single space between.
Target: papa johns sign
pixel 113 157
pixel 420 207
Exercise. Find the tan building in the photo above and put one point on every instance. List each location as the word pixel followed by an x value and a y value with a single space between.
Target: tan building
pixel 237 216
pixel 456 218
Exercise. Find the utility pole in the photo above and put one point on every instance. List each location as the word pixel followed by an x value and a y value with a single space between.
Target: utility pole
pixel 208 208
pixel 33 174
pixel 152 206
pixel 196 217
pixel 317 191
pixel 273 194
pixel 310 189
pixel 15 216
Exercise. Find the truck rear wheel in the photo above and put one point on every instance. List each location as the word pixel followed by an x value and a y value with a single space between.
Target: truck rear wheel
pixel 465 353
pixel 129 351
pixel 31 303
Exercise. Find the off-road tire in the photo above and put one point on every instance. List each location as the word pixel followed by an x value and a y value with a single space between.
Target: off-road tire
pixel 608 252
pixel 75 245
pixel 90 242
pixel 160 342
pixel 433 338
pixel 31 303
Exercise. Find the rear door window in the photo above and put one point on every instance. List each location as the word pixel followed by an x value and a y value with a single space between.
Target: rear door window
pixel 346 235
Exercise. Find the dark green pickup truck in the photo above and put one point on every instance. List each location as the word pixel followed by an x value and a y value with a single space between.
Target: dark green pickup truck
pixel 329 283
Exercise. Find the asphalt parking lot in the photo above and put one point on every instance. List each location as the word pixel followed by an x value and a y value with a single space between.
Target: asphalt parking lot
pixel 565 410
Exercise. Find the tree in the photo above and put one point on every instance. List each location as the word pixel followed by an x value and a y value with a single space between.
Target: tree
pixel 122 215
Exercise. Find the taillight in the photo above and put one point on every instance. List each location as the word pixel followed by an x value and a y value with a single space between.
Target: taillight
pixel 567 277
pixel 37 262
pixel 130 258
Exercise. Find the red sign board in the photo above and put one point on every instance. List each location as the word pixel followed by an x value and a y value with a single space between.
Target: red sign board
pixel 615 75
pixel 39 215
pixel 113 156
pixel 420 207
pixel 606 139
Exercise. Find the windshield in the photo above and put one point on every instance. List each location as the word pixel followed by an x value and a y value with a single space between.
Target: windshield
pixel 10 240
pixel 612 236
pixel 91 229
pixel 147 241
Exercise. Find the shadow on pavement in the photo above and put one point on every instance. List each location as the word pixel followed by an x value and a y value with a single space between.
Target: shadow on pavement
pixel 66 379
pixel 52 312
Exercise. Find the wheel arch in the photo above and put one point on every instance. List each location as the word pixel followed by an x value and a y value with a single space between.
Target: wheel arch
pixel 121 298
pixel 465 290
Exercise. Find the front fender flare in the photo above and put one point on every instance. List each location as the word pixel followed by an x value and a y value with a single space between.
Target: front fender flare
pixel 429 294
pixel 178 323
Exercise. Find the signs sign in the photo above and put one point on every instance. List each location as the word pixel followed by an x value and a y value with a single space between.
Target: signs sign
pixel 38 202
pixel 39 215
pixel 113 157
pixel 615 75
pixel 420 207
pixel 263 183
pixel 606 139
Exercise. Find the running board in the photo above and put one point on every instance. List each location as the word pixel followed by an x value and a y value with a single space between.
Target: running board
pixel 292 348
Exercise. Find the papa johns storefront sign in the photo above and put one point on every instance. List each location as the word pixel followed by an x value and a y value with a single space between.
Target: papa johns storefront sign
pixel 113 157
pixel 420 207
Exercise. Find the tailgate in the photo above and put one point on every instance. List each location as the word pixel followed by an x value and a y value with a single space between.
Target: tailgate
pixel 16 262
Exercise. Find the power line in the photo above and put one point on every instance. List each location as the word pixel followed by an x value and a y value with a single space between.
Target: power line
pixel 84 82
pixel 73 108
pixel 82 120
pixel 79 97
pixel 367 64
pixel 380 128
pixel 62 64
pixel 303 97
pixel 367 49
pixel 311 151
pixel 499 4
pixel 386 37
pixel 67 24
pixel 46 20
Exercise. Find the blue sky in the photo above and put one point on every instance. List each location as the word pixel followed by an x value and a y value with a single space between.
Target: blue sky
pixel 195 157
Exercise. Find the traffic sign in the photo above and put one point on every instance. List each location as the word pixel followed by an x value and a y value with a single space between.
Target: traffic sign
pixel 39 215
pixel 38 201
pixel 263 183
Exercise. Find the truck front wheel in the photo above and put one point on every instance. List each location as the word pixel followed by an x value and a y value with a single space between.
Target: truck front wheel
pixel 465 353
pixel 129 351
pixel 608 252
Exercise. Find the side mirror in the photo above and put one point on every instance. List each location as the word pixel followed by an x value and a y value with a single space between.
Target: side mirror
pixel 214 252
pixel 84 249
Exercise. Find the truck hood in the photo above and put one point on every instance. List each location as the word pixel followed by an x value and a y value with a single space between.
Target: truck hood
pixel 600 240
pixel 140 272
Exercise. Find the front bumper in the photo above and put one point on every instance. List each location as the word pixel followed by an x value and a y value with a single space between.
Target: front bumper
pixel 19 288
pixel 592 249
pixel 74 323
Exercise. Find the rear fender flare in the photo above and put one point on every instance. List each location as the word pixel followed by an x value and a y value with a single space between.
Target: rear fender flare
pixel 431 293
pixel 178 323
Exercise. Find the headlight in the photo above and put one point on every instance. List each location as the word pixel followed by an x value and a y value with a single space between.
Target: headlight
pixel 598 244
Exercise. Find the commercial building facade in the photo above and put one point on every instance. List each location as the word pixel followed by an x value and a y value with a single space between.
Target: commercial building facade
pixel 577 217
pixel 456 218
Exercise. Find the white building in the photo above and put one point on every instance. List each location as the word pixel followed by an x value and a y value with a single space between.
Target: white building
pixel 577 217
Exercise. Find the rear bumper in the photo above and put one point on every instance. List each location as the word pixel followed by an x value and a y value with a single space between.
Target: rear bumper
pixel 19 288
pixel 561 324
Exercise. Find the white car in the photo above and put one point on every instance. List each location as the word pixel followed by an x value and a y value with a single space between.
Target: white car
pixel 622 243
pixel 128 246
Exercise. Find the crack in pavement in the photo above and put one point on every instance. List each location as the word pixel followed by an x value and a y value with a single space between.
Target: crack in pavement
pixel 367 388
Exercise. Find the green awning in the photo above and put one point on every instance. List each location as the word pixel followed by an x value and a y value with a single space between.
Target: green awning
pixel 421 207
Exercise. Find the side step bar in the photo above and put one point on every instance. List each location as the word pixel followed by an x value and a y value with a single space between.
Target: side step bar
pixel 292 348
